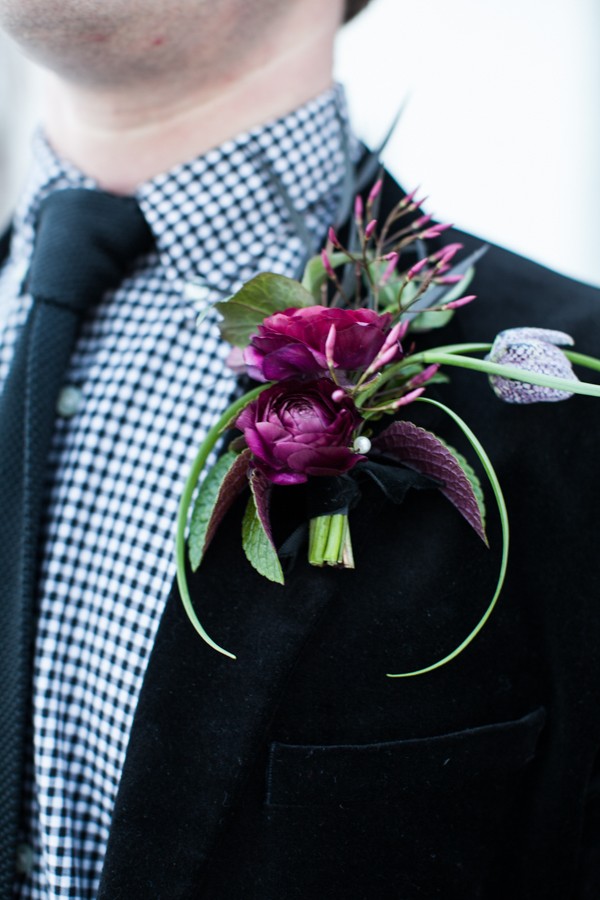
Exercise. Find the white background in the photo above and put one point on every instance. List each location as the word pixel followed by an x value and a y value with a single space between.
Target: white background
pixel 501 127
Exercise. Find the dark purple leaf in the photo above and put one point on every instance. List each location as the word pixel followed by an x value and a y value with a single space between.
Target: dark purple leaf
pixel 426 453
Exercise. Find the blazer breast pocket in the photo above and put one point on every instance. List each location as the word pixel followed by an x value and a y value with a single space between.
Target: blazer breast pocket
pixel 317 775
pixel 433 817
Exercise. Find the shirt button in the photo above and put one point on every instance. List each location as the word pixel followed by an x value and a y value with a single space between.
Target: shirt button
pixel 69 402
pixel 24 864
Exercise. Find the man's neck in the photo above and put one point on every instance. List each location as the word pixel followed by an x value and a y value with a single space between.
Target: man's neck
pixel 122 138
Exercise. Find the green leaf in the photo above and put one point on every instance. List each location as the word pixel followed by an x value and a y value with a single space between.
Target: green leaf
pixel 264 295
pixel 315 274
pixel 257 540
pixel 428 320
pixel 224 482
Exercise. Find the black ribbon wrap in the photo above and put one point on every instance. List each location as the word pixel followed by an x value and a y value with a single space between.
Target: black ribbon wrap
pixel 341 493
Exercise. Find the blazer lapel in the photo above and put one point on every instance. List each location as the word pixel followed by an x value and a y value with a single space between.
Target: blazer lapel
pixel 202 718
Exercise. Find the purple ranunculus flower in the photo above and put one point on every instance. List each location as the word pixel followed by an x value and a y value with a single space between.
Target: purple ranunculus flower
pixel 536 350
pixel 295 429
pixel 292 343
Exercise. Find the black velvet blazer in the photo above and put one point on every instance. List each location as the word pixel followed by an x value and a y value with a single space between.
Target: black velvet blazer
pixel 300 770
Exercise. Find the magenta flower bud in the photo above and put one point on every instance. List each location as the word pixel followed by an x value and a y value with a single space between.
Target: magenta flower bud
pixel 406 201
pixel 450 279
pixel 534 350
pixel 327 264
pixel 333 238
pixel 408 398
pixel 402 330
pixel 394 336
pixel 295 343
pixel 437 230
pixel 359 210
pixel 330 346
pixel 383 358
pixel 296 430
pixel 448 252
pixel 462 301
pixel 390 268
pixel 370 229
pixel 422 220
pixel 338 395
pixel 390 350
pixel 375 192
pixel 427 373
pixel 417 268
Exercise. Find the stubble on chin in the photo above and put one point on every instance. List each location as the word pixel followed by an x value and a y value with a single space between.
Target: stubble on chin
pixel 104 43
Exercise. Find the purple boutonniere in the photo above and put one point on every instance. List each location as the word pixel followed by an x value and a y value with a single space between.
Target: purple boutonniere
pixel 334 354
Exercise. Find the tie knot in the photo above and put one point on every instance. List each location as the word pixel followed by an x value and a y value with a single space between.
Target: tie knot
pixel 85 242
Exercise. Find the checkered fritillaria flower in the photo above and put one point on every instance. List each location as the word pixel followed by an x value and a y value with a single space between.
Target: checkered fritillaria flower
pixel 535 350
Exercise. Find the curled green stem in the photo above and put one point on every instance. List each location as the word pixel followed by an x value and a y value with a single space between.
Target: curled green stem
pixel 207 445
pixel 510 372
pixel 499 497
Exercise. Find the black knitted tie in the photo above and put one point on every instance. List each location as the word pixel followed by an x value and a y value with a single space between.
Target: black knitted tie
pixel 86 241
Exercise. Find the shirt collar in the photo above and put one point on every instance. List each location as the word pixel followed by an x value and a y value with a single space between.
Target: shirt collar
pixel 214 217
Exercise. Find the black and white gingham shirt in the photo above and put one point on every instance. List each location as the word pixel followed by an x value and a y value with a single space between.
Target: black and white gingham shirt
pixel 144 385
